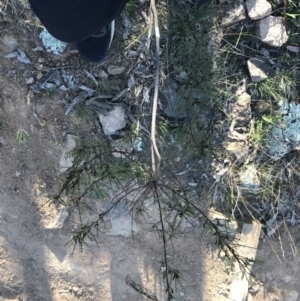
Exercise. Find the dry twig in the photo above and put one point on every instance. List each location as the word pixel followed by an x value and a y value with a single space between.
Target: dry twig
pixel 154 148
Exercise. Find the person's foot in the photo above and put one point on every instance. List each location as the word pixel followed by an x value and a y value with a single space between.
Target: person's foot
pixel 95 48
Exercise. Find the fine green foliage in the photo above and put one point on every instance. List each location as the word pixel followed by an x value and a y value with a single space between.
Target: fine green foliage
pixel 102 165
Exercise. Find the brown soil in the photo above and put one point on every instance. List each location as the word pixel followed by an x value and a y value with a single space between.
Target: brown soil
pixel 36 263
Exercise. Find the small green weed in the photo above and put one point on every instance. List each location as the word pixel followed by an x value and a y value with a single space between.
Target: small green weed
pixel 131 7
pixel 22 136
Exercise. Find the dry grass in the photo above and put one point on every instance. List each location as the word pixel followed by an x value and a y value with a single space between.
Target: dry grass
pixel 19 10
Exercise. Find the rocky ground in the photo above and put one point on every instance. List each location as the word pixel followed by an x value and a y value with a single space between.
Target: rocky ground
pixel 39 95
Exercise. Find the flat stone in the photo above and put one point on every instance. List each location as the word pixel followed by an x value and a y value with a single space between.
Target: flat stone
pixel 258 9
pixel 258 69
pixel 115 120
pixel 271 31
pixel 241 110
pixel 235 14
pixel 62 216
pixel 103 75
pixel 248 179
pixel 292 296
pixel 285 136
pixel 115 70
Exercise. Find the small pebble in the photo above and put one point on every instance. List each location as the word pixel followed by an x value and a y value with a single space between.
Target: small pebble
pixel 30 80
pixel 39 75
pixel 287 279
pixel 181 294
pixel 115 70
pixel 39 66
pixel 103 75
pixel 293 296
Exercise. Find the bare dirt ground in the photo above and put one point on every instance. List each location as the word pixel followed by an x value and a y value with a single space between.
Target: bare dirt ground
pixel 36 263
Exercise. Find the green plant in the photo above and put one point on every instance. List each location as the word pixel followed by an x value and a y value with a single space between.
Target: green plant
pixel 259 135
pixel 131 7
pixel 22 136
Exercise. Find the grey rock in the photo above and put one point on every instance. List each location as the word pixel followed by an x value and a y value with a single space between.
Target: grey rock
pixel 292 296
pixel 103 75
pixel 224 222
pixel 22 58
pixel 115 70
pixel 241 111
pixel 30 80
pixel 52 44
pixel 172 104
pixel 287 279
pixel 248 179
pixel 10 42
pixel 182 77
pixel 285 136
pixel 66 161
pixel 258 9
pixel 39 66
pixel 131 82
pixel 272 31
pixel 258 69
pixel 115 120
pixel 39 75
pixel 235 14
pixel 62 216
pixel 238 150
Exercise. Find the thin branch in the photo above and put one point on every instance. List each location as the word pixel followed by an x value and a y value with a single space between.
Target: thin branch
pixel 169 290
pixel 140 289
pixel 154 148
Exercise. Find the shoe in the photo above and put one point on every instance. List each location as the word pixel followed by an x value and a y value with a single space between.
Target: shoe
pixel 95 48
